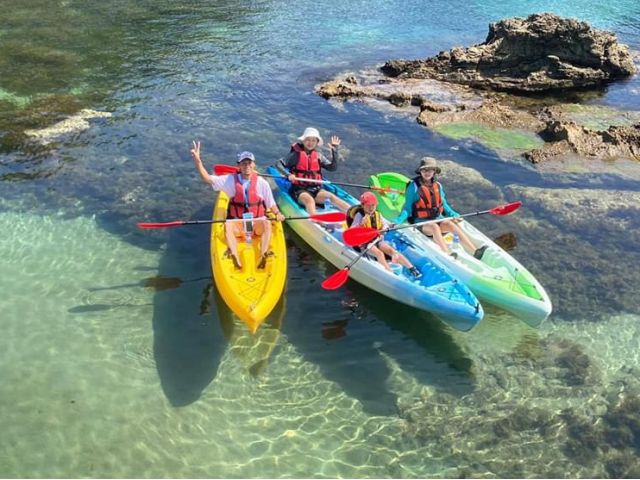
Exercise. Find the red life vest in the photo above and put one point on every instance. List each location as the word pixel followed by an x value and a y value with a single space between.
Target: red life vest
pixel 429 204
pixel 308 165
pixel 239 204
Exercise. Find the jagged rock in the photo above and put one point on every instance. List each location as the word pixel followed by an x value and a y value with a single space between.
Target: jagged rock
pixel 432 106
pixel 565 136
pixel 539 53
pixel 399 99
pixel 345 89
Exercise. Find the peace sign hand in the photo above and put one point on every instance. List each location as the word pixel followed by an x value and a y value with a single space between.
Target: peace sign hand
pixel 195 151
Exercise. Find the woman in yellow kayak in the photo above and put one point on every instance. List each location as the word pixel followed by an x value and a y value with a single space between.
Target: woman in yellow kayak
pixel 247 193
pixel 425 200
pixel 367 215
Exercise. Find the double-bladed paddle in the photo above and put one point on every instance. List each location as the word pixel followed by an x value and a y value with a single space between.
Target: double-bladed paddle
pixel 329 217
pixel 339 278
pixel 359 235
pixel 229 169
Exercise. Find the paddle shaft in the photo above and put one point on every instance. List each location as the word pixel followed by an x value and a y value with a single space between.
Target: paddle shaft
pixel 339 278
pixel 329 217
pixel 363 253
pixel 360 235
pixel 438 220
pixel 228 169
pixel 328 182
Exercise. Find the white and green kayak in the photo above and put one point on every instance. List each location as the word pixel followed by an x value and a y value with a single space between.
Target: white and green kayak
pixel 497 278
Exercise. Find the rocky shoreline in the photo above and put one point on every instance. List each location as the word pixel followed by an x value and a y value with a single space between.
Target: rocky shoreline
pixel 491 85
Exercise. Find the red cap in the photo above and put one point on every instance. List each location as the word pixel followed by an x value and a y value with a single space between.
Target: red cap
pixel 368 198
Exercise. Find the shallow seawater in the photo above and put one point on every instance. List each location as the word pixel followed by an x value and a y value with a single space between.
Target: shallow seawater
pixel 85 387
pixel 119 360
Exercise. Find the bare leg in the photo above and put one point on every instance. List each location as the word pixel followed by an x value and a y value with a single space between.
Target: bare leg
pixel 389 250
pixel 230 230
pixel 380 257
pixel 433 229
pixel 337 201
pixel 450 226
pixel 306 200
pixel 263 229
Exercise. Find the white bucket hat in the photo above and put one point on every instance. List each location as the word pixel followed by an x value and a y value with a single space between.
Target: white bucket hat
pixel 311 132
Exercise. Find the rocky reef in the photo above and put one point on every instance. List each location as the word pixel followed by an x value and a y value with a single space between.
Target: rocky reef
pixel 540 53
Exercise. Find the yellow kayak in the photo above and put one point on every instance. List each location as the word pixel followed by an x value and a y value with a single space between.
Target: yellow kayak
pixel 251 293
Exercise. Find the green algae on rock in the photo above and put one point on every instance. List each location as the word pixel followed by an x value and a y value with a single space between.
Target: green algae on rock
pixel 495 138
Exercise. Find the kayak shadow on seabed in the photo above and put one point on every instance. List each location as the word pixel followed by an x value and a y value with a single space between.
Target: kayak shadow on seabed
pixel 346 322
pixel 187 344
pixel 444 357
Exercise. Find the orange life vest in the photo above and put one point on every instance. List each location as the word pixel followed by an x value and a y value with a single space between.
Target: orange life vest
pixel 239 204
pixel 308 165
pixel 374 221
pixel 429 204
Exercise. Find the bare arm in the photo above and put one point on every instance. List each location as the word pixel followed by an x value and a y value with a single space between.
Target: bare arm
pixel 202 171
pixel 332 165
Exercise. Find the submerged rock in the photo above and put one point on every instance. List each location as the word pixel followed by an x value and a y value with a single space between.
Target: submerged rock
pixel 72 125
pixel 538 424
pixel 540 53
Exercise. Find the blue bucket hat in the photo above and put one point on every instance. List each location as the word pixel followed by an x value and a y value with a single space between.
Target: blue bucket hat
pixel 246 156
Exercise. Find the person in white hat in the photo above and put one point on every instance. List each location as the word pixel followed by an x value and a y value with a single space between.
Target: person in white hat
pixel 305 161
pixel 425 200
pixel 247 193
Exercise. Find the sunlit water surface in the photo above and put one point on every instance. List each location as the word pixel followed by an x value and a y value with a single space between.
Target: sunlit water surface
pixel 117 358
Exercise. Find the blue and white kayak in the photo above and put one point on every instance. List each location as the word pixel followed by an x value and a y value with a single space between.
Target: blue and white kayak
pixel 436 291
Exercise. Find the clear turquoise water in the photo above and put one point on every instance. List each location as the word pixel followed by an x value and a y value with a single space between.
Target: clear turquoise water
pixel 106 377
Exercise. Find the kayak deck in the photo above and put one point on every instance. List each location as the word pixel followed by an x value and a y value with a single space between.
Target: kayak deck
pixel 497 278
pixel 251 293
pixel 436 291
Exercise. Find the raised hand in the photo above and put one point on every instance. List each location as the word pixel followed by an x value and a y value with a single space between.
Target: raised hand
pixel 335 141
pixel 195 150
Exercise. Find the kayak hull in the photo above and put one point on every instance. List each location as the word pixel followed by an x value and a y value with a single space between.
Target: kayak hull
pixel 251 293
pixel 437 292
pixel 498 278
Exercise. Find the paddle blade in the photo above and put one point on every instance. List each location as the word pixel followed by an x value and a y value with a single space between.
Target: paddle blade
pixel 355 236
pixel 505 209
pixel 336 280
pixel 224 169
pixel 177 223
pixel 331 217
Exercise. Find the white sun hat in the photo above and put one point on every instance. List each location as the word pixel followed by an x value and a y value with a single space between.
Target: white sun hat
pixel 311 132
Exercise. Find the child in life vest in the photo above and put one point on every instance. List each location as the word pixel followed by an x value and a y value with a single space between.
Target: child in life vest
pixel 367 215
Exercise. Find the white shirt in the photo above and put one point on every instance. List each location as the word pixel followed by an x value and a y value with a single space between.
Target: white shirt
pixel 227 184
